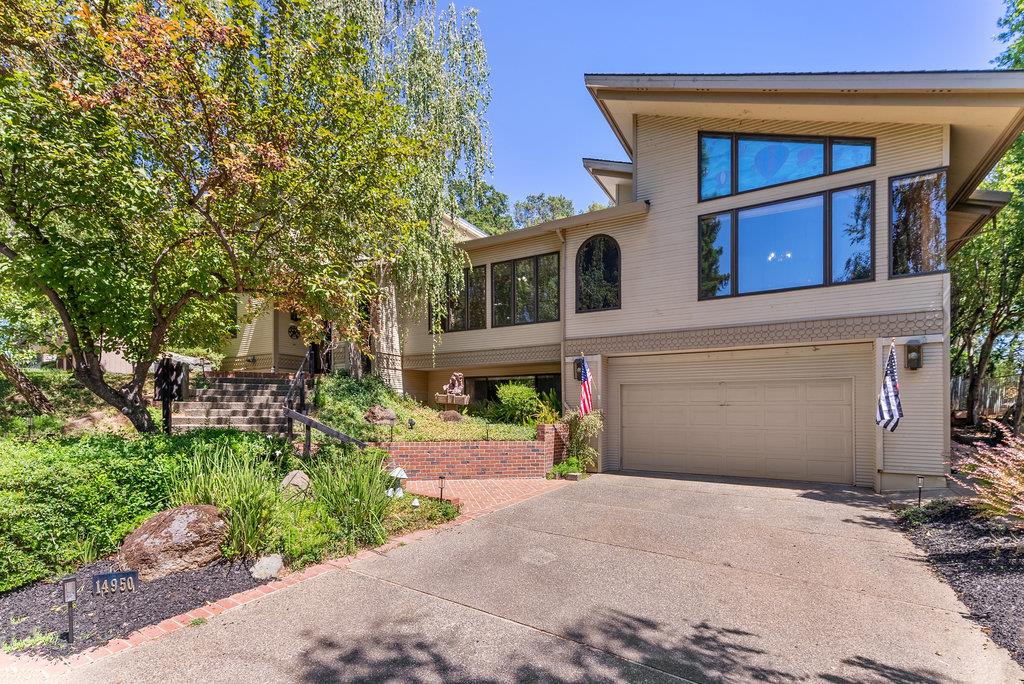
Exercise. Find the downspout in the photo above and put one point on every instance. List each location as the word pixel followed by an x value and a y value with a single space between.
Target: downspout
pixel 562 314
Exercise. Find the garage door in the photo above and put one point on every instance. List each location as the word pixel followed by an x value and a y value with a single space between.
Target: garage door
pixel 749 422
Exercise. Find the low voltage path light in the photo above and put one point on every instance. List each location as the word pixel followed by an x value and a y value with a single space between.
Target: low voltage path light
pixel 70 586
pixel 31 422
pixel 441 480
pixel 920 486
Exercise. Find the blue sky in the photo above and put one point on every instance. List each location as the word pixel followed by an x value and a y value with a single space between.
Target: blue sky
pixel 543 121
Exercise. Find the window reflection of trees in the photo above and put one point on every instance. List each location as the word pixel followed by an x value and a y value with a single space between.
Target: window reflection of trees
pixel 857 230
pixel 918 231
pixel 713 281
pixel 597 274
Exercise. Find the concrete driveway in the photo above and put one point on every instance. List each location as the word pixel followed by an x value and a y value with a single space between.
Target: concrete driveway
pixel 618 577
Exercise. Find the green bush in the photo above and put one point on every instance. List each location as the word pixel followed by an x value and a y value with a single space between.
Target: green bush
pixel 517 404
pixel 580 454
pixel 243 484
pixel 352 489
pixel 63 502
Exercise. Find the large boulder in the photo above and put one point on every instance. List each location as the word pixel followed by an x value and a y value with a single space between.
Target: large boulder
pixel 378 415
pixel 450 416
pixel 182 538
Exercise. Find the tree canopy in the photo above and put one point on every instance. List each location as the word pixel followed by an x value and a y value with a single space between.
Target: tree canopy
pixel 539 208
pixel 157 160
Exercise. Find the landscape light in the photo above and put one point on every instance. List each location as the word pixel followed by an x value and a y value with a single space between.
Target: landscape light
pixel 412 423
pixel 31 424
pixel 920 486
pixel 70 586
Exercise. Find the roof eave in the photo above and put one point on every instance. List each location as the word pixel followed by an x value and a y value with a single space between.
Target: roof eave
pixel 617 212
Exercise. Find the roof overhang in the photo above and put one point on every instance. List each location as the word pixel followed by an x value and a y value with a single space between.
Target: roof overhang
pixel 609 174
pixel 969 217
pixel 984 109
pixel 463 229
pixel 559 225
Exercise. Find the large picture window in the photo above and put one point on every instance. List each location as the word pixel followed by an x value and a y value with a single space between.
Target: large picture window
pixel 468 307
pixel 598 282
pixel 733 163
pixel 821 239
pixel 525 290
pixel 917 231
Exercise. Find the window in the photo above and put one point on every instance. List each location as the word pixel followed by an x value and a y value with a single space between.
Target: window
pixel 525 290
pixel 821 239
pixel 598 285
pixel 917 212
pixel 486 389
pixel 733 163
pixel 468 307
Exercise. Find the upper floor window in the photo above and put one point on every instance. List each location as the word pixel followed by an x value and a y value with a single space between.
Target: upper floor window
pixel 732 163
pixel 821 239
pixel 468 307
pixel 525 290
pixel 598 285
pixel 917 211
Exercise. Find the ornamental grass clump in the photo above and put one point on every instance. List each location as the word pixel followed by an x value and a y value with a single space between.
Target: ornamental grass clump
pixel 580 454
pixel 996 476
pixel 352 489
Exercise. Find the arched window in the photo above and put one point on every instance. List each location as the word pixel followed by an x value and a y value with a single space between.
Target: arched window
pixel 598 277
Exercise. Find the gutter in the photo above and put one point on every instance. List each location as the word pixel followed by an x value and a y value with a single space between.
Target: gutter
pixel 638 208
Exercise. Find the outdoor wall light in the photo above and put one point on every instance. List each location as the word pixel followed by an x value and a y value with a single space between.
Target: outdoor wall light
pixel 914 354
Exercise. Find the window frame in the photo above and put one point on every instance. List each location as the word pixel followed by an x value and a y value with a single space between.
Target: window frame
pixel 536 290
pixel 735 136
pixel 618 285
pixel 827 280
pixel 467 273
pixel 889 223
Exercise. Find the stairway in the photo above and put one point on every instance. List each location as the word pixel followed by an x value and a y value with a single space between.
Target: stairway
pixel 251 403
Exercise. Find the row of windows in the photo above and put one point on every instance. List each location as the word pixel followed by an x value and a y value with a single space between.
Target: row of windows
pixel 527 290
pixel 822 239
pixel 732 163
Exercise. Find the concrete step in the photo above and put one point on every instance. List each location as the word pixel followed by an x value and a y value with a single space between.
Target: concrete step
pixel 274 382
pixel 241 422
pixel 215 410
pixel 239 394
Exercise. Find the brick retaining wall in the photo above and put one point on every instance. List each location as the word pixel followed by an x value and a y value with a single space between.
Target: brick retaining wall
pixel 479 459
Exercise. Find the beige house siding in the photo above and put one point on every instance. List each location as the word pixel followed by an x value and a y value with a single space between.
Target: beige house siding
pixel 254 339
pixel 659 251
pixel 290 352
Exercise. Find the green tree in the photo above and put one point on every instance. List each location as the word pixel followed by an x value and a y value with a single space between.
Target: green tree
pixel 27 325
pixel 486 208
pixel 156 161
pixel 540 208
pixel 598 206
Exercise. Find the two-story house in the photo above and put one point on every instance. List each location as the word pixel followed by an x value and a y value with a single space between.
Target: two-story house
pixel 770 235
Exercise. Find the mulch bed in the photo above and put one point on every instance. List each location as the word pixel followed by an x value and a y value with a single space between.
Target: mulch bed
pixel 39 607
pixel 984 563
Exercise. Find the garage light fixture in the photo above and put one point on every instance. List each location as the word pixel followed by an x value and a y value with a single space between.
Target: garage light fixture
pixel 914 354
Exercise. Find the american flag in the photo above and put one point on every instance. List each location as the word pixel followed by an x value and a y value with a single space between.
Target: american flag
pixel 890 410
pixel 586 400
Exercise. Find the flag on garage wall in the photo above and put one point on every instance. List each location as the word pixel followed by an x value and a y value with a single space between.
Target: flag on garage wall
pixel 890 410
pixel 586 400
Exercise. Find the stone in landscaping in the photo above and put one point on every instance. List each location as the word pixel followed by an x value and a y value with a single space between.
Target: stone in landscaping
pixel 267 567
pixel 295 483
pixel 378 415
pixel 182 538
pixel 450 416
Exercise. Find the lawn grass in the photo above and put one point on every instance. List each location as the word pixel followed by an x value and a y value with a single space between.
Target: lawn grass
pixel 342 401
pixel 35 639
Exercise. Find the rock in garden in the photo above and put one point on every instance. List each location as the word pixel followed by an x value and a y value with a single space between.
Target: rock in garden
pixel 378 415
pixel 450 416
pixel 182 538
pixel 267 567
pixel 295 483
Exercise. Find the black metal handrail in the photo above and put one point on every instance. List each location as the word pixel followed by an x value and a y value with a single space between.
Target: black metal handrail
pixel 314 424
pixel 300 379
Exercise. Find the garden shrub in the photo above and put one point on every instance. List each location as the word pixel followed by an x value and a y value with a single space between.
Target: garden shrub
pixel 68 501
pixel 550 411
pixel 580 454
pixel 996 476
pixel 351 486
pixel 517 403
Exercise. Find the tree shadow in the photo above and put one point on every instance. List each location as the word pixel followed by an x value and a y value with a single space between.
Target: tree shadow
pixel 613 646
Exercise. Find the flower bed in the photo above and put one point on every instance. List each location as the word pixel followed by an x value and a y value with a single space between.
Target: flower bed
pixel 479 459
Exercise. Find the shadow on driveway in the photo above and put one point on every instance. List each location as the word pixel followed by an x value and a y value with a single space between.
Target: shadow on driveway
pixel 614 646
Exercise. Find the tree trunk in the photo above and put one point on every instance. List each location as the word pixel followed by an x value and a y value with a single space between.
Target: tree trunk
pixel 384 339
pixel 35 397
pixel 977 378
pixel 128 399
pixel 351 358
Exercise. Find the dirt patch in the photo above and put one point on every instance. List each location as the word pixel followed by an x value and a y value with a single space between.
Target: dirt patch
pixel 984 563
pixel 36 615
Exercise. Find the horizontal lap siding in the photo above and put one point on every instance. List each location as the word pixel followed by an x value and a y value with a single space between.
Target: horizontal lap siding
pixel 919 445
pixel 854 361
pixel 659 251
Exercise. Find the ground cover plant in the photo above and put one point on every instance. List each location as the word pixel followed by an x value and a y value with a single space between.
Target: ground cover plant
pixel 75 406
pixel 342 401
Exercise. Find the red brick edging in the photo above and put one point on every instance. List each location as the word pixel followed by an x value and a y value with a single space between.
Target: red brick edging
pixel 14 664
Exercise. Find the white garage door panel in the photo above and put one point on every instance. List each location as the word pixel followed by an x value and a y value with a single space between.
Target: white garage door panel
pixel 800 429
